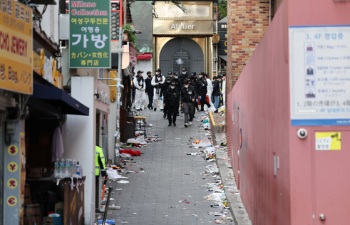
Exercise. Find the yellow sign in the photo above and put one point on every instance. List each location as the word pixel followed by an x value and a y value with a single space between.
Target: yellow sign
pixel 328 141
pixel 113 90
pixel 12 167
pixel 47 69
pixel 16 47
pixel 12 183
pixel 12 150
pixel 11 200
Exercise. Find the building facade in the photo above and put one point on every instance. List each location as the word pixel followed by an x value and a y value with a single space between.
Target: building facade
pixel 183 39
pixel 247 22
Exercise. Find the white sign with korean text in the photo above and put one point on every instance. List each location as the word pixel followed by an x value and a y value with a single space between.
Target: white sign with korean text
pixel 319 75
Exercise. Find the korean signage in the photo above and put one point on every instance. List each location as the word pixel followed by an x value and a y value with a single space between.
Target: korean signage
pixel 16 44
pixel 89 38
pixel 223 38
pixel 328 141
pixel 319 75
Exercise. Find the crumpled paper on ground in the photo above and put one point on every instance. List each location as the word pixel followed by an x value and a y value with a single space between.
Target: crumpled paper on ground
pixel 113 174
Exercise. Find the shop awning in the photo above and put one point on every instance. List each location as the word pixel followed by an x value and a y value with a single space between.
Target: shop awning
pixel 144 56
pixel 59 98
pixel 224 57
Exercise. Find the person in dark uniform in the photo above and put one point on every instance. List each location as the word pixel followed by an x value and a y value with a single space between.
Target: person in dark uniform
pixel 202 90
pixel 172 98
pixel 183 75
pixel 178 83
pixel 165 87
pixel 178 86
pixel 188 99
pixel 216 93
pixel 149 90
pixel 194 82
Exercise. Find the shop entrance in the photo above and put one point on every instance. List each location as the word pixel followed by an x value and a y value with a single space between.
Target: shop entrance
pixel 181 53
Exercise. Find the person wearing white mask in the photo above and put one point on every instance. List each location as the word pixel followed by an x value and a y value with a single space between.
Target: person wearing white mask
pixel 157 81
pixel 140 86
pixel 188 100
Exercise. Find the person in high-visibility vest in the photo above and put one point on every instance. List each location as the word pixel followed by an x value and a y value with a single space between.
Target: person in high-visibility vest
pixel 100 164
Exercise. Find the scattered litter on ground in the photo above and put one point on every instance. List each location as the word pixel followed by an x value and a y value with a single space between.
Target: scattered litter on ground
pixel 123 182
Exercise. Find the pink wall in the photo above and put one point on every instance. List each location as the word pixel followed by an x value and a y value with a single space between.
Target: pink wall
pixel 259 105
pixel 262 94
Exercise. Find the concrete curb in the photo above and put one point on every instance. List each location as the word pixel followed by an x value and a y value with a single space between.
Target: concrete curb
pixel 239 213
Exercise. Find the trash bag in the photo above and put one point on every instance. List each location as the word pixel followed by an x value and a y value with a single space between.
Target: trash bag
pixel 205 142
pixel 113 174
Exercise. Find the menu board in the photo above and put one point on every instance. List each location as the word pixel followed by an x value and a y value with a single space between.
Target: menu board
pixel 319 75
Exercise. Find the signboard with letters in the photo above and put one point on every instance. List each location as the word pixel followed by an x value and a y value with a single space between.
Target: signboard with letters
pixel 222 47
pixel 200 27
pixel 46 67
pixel 89 38
pixel 319 75
pixel 16 47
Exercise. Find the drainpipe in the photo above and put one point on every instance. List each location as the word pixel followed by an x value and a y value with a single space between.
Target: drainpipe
pixel 119 78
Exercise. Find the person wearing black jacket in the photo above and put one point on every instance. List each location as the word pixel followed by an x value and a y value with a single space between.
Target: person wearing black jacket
pixel 178 82
pixel 164 88
pixel 188 99
pixel 172 97
pixel 183 75
pixel 178 85
pixel 202 90
pixel 194 82
pixel 149 90
pixel 216 93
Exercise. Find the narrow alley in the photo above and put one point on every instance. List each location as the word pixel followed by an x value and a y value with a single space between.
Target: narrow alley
pixel 166 184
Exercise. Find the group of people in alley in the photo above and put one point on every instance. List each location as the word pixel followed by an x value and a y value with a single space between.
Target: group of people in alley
pixel 178 92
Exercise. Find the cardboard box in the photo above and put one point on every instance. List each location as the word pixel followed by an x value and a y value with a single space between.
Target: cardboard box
pixel 53 221
pixel 59 208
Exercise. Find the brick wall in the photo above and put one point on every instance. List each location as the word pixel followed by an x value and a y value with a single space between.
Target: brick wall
pixel 247 22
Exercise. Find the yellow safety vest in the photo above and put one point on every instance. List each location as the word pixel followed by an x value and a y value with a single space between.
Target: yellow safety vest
pixel 99 153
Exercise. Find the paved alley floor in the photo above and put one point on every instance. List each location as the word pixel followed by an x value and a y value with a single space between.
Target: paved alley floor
pixel 167 190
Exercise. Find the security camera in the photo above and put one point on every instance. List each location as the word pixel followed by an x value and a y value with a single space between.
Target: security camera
pixel 302 133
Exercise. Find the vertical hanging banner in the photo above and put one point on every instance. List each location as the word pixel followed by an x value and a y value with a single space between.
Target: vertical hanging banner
pixel 89 38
